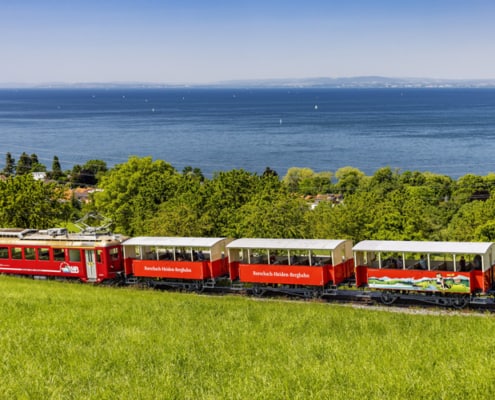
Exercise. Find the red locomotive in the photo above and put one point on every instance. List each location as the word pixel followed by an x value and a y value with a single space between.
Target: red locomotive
pixel 56 253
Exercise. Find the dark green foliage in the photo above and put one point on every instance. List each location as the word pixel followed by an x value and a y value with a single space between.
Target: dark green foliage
pixel 146 197
pixel 26 203
pixel 10 167
pixel 133 192
pixel 56 173
pixel 24 164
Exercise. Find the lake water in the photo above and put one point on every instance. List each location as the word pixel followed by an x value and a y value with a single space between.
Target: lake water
pixel 446 131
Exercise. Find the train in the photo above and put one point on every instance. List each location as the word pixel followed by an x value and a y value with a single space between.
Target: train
pixel 451 274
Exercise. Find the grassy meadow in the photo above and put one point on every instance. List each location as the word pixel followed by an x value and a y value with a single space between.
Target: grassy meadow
pixel 72 341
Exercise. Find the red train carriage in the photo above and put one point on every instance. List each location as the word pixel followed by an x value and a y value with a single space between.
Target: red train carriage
pixel 445 273
pixel 56 253
pixel 183 262
pixel 302 267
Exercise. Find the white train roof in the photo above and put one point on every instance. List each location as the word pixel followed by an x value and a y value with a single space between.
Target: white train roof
pixel 423 247
pixel 173 241
pixel 296 244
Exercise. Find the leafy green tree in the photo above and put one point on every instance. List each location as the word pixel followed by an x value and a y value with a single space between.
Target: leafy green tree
pixel 294 177
pixel 132 192
pixel 318 183
pixel 224 194
pixel 472 222
pixel 274 214
pixel 440 184
pixel 26 203
pixel 193 172
pixel 89 173
pixel 349 180
pixel 486 232
pixel 24 164
pixel 384 180
pixel 412 178
pixel 269 172
pixel 36 166
pixel 352 219
pixel 56 172
pixel 180 216
pixel 183 214
pixel 9 169
pixel 468 185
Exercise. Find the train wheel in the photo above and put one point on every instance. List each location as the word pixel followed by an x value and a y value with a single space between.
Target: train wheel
pixel 198 287
pixel 258 291
pixel 459 302
pixel 388 298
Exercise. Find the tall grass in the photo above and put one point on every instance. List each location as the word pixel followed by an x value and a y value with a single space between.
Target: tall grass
pixel 71 341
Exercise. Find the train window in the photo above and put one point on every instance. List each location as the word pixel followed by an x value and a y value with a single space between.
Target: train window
pixel 392 260
pixel 415 261
pixel 74 255
pixel 43 254
pixel 98 256
pixel 441 262
pixel 114 253
pixel 259 256
pixel 59 254
pixel 16 253
pixel 4 252
pixel 29 253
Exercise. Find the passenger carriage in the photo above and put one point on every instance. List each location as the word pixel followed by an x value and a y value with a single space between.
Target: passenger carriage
pixel 445 273
pixel 55 253
pixel 302 267
pixel 189 263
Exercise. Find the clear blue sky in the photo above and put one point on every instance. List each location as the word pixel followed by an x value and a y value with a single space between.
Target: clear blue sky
pixel 193 41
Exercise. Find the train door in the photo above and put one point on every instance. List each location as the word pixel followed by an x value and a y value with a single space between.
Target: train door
pixel 90 265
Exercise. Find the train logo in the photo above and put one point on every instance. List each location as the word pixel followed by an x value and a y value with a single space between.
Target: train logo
pixel 68 269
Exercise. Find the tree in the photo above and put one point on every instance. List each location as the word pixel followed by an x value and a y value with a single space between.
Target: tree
pixel 269 172
pixel 352 219
pixel 56 173
pixel 9 169
pixel 133 192
pixel 225 194
pixel 24 164
pixel 36 166
pixel 89 173
pixel 180 216
pixel 278 215
pixel 294 177
pixel 26 203
pixel 349 179
pixel 384 180
pixel 193 172
pixel 468 185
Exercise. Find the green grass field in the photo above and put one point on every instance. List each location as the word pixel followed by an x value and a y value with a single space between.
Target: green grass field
pixel 71 341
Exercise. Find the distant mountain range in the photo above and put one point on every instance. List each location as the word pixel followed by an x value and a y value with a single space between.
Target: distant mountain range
pixel 350 82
